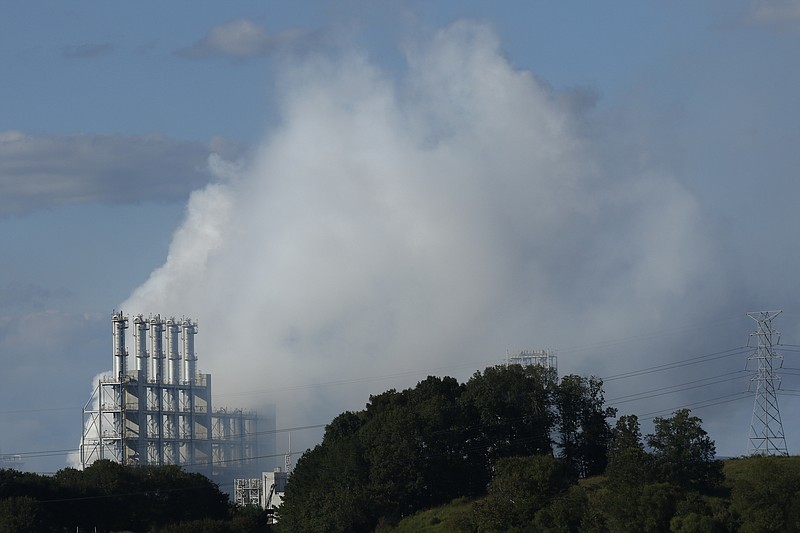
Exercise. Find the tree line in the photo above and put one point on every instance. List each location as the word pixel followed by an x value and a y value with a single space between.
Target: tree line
pixel 529 452
pixel 107 496
pixel 525 451
pixel 421 447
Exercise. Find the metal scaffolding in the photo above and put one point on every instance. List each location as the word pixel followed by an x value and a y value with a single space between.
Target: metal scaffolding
pixel 543 358
pixel 162 414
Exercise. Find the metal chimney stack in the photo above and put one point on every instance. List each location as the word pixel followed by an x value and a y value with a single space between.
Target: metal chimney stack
pixel 162 413
pixel 120 324
pixel 140 336
pixel 173 353
pixel 157 348
pixel 189 357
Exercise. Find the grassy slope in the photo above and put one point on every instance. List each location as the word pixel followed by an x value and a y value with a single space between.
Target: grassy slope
pixel 448 517
pixel 436 520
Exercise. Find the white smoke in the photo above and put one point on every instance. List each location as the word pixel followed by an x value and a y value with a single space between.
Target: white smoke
pixel 391 227
pixel 91 432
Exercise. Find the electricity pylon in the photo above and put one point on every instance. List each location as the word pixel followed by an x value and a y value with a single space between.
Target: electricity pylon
pixel 766 429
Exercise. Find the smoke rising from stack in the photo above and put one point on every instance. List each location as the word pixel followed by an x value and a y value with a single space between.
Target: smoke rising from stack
pixel 427 220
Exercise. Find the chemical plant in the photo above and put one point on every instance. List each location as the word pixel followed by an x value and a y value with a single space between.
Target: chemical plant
pixel 162 412
pixel 543 358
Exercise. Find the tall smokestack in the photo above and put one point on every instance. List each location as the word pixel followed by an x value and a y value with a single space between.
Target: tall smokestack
pixel 174 366
pixel 157 348
pixel 120 324
pixel 189 357
pixel 140 334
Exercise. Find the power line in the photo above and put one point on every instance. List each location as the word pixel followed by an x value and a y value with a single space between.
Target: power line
pixel 703 358
pixel 67 451
pixel 675 388
pixel 728 398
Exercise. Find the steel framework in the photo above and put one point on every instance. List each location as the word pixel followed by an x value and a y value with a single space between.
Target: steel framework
pixel 766 428
pixel 162 414
pixel 543 358
pixel 247 491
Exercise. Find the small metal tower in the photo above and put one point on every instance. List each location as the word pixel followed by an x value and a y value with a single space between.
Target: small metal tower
pixel 766 429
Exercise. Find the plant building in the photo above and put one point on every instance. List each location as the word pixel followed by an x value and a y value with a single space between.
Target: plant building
pixel 161 412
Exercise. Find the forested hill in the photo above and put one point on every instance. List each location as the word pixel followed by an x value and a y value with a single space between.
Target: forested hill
pixel 516 441
pixel 512 449
pixel 756 495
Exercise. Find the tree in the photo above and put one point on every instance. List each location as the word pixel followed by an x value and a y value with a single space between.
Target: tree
pixel 565 513
pixel 628 463
pixel 583 426
pixel 766 497
pixel 22 514
pixel 327 491
pixel 683 452
pixel 512 407
pixel 521 487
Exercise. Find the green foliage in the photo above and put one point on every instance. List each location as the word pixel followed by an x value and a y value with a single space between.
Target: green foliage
pixel 514 409
pixel 583 428
pixel 454 516
pixel 766 494
pixel 628 464
pixel 695 523
pixel 110 497
pixel 418 448
pixel 521 487
pixel 22 514
pixel 683 452
pixel 565 513
pixel 698 514
pixel 328 492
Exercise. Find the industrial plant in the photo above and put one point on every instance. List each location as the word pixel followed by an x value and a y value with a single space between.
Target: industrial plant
pixel 162 412
pixel 543 358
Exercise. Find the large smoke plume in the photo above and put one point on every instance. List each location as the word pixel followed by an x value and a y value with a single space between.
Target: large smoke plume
pixel 395 225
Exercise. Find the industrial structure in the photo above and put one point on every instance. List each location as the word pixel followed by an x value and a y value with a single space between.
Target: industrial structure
pixel 161 412
pixel 766 428
pixel 12 461
pixel 543 358
pixel 266 492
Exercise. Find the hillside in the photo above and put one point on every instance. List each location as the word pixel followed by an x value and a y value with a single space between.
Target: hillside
pixel 757 494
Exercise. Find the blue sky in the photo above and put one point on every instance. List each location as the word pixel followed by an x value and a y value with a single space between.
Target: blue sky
pixel 394 188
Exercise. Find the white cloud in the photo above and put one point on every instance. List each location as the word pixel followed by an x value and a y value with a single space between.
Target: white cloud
pixel 241 38
pixel 25 296
pixel 88 50
pixel 49 170
pixel 45 353
pixel 775 12
pixel 395 226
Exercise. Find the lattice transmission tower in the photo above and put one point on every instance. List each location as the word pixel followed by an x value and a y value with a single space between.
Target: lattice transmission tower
pixel 766 428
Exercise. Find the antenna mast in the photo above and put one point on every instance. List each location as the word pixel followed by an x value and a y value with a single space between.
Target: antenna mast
pixel 766 429
pixel 287 459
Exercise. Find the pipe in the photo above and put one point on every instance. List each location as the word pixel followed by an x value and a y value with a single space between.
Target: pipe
pixel 119 323
pixel 157 347
pixel 189 330
pixel 174 366
pixel 141 346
